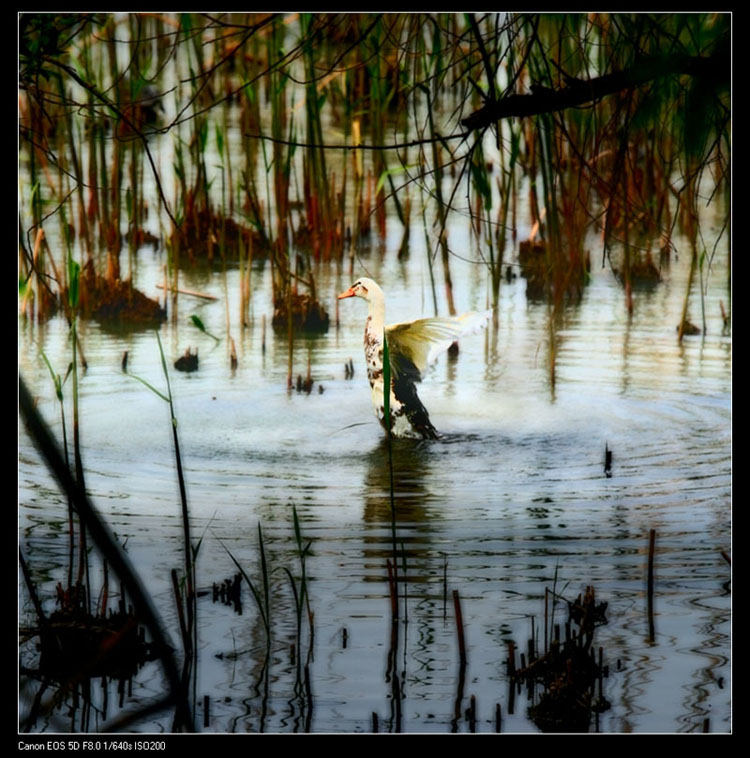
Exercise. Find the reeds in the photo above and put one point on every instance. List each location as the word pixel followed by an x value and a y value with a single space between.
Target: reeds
pixel 569 668
pixel 262 592
pixel 184 585
pixel 650 586
pixel 285 152
pixel 628 166
pixel 70 639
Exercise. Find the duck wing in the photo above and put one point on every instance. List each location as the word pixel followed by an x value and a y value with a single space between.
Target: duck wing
pixel 414 345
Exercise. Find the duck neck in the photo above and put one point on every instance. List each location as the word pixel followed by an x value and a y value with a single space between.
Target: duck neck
pixel 374 327
pixel 376 318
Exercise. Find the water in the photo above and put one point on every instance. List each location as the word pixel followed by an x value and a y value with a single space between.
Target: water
pixel 512 496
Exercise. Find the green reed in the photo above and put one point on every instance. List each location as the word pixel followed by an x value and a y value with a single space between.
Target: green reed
pixel 59 382
pixel 261 594
pixel 300 591
pixel 316 172
pixel 169 399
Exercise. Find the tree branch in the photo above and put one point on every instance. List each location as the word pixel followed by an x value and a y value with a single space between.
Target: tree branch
pixel 580 92
pixel 360 146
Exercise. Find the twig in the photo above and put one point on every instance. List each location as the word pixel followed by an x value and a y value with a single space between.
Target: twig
pixel 181 291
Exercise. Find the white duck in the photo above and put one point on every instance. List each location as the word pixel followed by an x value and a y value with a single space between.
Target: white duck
pixel 412 347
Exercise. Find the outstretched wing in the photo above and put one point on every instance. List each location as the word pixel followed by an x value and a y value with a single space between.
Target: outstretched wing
pixel 414 345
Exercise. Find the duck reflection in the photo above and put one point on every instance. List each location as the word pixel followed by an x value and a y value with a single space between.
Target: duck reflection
pixel 412 500
pixel 411 495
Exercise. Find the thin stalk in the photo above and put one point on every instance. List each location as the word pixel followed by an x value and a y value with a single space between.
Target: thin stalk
pixel 429 254
pixel 183 492
pixel 650 584
pixel 389 445
pixel 459 628
pixel 78 463
pixel 261 599
pixel 441 214
pixel 59 382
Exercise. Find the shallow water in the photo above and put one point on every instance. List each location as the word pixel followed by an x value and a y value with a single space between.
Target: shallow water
pixel 512 496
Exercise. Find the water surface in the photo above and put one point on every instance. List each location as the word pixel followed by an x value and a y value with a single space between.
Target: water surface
pixel 513 497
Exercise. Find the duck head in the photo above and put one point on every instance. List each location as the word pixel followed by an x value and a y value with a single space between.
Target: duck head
pixel 365 288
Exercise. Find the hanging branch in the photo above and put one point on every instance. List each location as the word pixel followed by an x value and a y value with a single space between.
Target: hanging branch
pixel 580 92
pixel 360 145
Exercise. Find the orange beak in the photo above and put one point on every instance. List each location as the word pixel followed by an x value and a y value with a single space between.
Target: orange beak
pixel 348 293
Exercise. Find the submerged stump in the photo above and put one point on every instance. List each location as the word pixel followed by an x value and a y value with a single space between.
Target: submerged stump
pixel 640 271
pixel 111 299
pixel 546 270
pixel 187 362
pixel 569 672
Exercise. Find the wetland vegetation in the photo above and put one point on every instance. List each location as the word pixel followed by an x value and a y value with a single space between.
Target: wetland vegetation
pixel 226 546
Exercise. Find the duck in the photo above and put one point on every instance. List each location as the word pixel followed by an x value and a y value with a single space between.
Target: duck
pixel 412 347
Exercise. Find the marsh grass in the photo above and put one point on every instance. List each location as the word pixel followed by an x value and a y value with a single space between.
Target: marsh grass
pixel 184 586
pixel 260 592
pixel 79 593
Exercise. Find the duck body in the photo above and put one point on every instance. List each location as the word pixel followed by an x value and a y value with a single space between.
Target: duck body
pixel 409 418
pixel 412 347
